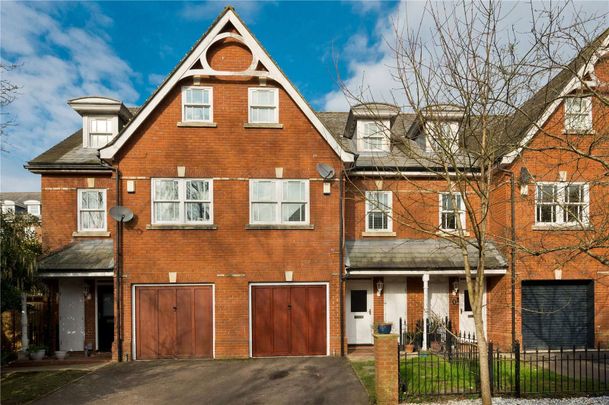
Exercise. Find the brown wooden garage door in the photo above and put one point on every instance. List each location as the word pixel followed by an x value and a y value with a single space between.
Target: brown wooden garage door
pixel 174 322
pixel 289 320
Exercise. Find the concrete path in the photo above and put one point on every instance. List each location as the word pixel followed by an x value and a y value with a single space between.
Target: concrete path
pixel 313 380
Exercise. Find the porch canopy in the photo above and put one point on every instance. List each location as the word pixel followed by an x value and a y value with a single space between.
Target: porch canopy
pixel 83 258
pixel 417 257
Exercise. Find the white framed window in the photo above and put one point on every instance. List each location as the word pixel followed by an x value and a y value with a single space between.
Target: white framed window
pixel 372 136
pixel 442 137
pixel 182 201
pixel 379 205
pixel 263 105
pixel 34 209
pixel 578 114
pixel 279 201
pixel 562 203
pixel 8 207
pixel 451 208
pixel 197 104
pixel 100 131
pixel 91 210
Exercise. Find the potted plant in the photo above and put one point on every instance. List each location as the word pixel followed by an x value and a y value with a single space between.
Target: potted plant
pixel 60 354
pixel 37 352
pixel 384 328
pixel 410 338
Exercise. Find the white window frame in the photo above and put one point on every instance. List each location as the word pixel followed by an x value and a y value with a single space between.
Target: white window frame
pixel 210 105
pixel 80 209
pixel 8 206
pixel 32 205
pixel 460 211
pixel 112 122
pixel 559 213
pixel 362 145
pixel 182 201
pixel 370 208
pixel 250 105
pixel 569 101
pixel 279 202
pixel 435 131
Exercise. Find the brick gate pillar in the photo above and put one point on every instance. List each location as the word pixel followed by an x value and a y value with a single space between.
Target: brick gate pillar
pixel 386 368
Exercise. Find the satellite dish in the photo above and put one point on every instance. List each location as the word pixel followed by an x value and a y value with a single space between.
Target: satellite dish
pixel 121 214
pixel 325 171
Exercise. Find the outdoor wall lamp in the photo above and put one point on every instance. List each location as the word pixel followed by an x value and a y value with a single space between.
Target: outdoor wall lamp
pixel 524 180
pixel 455 287
pixel 87 292
pixel 379 288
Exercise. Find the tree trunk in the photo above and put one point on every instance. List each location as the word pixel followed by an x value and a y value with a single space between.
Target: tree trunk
pixel 25 342
pixel 485 381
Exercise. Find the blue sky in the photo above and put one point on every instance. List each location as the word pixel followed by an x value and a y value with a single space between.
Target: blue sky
pixel 124 49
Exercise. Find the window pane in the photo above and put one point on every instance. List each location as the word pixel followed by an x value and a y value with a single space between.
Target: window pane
pixel 449 220
pixel 377 220
pixel 572 213
pixel 574 194
pixel 166 190
pixel 92 200
pixel 196 113
pixel 197 190
pixel 263 212
pixel 97 140
pixel 92 220
pixel 197 212
pixel 547 193
pixel 293 213
pixel 166 212
pixel 263 97
pixel 263 114
pixel 359 301
pixel 294 191
pixel 545 213
pixel 197 96
pixel 264 191
pixel 101 125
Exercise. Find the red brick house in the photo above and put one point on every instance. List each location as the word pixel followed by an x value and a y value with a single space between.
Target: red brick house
pixel 243 243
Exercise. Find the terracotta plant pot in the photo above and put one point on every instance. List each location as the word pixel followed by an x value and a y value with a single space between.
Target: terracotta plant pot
pixel 409 348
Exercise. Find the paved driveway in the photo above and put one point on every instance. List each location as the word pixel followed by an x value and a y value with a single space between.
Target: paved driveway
pixel 312 380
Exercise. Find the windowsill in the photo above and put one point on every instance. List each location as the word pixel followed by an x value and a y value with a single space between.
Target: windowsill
pixel 278 227
pixel 583 132
pixel 378 234
pixel 90 234
pixel 182 226
pixel 562 227
pixel 447 232
pixel 268 125
pixel 197 124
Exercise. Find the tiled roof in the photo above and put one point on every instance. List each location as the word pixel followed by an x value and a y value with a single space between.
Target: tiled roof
pixel 84 255
pixel 416 254
pixel 20 197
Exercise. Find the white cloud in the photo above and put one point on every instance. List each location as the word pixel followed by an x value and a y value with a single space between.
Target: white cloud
pixel 369 59
pixel 55 63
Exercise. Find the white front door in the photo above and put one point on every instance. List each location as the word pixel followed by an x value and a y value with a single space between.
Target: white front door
pixel 395 302
pixel 71 314
pixel 466 315
pixel 438 297
pixel 359 312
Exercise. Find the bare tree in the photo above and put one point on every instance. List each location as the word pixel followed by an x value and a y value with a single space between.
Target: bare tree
pixel 464 78
pixel 8 93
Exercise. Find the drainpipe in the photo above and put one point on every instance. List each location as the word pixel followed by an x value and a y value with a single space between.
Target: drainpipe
pixel 341 260
pixel 118 265
pixel 512 249
pixel 425 308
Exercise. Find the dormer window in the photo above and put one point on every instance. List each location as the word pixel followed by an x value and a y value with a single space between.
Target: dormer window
pixel 33 207
pixel 197 104
pixel 578 114
pixel 373 136
pixel 100 131
pixel 8 207
pixel 442 137
pixel 263 105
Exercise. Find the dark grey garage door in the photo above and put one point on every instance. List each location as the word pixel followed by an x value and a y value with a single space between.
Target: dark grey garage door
pixel 557 313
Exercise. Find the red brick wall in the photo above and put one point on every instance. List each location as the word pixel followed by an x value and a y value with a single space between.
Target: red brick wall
pixel 414 298
pixel 90 335
pixel 231 154
pixel 386 369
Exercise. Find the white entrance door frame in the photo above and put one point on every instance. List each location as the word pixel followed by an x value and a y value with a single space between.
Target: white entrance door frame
pixel 71 314
pixel 394 292
pixel 359 323
pixel 466 318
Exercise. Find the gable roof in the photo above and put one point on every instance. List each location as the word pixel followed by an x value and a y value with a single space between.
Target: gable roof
pixel 20 197
pixel 196 53
pixel 534 112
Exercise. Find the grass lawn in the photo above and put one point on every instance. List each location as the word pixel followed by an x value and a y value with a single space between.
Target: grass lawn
pixel 22 387
pixel 365 371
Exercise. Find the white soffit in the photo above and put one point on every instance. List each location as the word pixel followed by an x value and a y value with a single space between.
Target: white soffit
pixel 199 54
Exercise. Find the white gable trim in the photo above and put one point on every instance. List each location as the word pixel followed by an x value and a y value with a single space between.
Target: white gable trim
pixel 573 84
pixel 199 53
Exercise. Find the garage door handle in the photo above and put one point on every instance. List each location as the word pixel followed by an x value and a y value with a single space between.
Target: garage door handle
pixel 175 308
pixel 289 306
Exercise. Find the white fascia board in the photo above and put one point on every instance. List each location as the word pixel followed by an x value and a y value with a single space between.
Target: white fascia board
pixel 257 51
pixel 421 272
pixel 572 85
pixel 77 274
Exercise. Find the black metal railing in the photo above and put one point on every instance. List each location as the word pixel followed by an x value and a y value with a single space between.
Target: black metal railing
pixel 513 373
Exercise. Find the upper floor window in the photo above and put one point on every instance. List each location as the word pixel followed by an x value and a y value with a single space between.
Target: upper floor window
pixel 451 208
pixel 562 203
pixel 578 114
pixel 182 201
pixel 378 211
pixel 263 105
pixel 372 136
pixel 197 104
pixel 8 207
pixel 279 201
pixel 34 209
pixel 91 210
pixel 442 137
pixel 100 132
